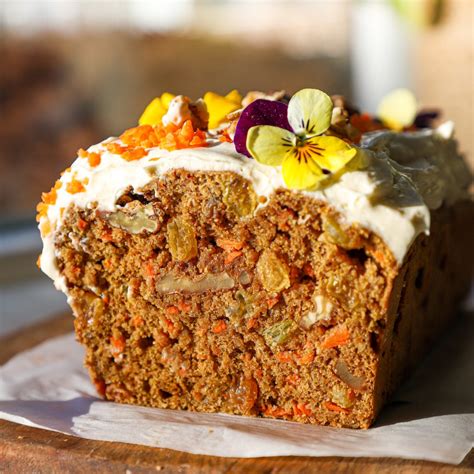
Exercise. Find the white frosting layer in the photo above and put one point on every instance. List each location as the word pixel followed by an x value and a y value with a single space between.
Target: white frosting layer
pixel 404 176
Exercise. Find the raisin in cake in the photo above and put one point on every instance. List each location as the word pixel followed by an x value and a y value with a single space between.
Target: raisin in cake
pixel 269 256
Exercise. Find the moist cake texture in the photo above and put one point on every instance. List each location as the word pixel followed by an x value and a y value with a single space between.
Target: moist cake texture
pixel 200 280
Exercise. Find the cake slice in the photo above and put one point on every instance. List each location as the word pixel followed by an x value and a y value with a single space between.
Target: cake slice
pixel 294 261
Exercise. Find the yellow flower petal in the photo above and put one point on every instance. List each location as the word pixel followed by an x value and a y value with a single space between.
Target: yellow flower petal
pixel 153 113
pixel 166 98
pixel 219 107
pixel 300 173
pixel 330 153
pixel 398 109
pixel 309 112
pixel 234 96
pixel 268 144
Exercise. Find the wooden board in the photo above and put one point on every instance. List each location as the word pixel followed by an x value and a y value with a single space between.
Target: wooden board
pixel 32 450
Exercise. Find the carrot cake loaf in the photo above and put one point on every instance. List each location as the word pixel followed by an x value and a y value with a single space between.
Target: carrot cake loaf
pixel 268 255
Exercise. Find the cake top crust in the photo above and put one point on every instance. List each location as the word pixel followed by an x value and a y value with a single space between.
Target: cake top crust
pixel 384 173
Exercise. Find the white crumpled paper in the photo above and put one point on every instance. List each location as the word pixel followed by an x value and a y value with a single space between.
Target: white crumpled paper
pixel 430 418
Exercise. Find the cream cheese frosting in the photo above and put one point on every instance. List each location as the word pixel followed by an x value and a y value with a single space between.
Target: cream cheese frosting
pixel 403 177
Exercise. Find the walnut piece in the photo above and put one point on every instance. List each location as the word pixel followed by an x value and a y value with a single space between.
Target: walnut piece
pixel 321 312
pixel 134 221
pixel 181 109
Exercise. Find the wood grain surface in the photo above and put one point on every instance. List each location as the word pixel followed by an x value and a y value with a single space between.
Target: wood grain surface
pixel 31 450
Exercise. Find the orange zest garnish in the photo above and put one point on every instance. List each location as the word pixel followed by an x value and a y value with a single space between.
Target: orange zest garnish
pixel 333 407
pixel 338 336
pixel 47 200
pixel 92 157
pixel 170 137
pixel 75 186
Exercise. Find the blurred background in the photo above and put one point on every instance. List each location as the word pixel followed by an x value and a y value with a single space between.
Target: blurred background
pixel 73 72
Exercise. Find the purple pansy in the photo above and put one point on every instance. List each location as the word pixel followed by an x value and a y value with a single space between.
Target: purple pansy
pixel 259 112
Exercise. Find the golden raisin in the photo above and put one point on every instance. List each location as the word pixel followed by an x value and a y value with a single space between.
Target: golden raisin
pixel 272 272
pixel 243 395
pixel 240 198
pixel 181 240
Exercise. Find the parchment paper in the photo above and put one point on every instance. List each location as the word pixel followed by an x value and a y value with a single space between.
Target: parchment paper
pixel 431 417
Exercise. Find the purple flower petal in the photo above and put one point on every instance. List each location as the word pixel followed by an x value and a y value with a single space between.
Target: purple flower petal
pixel 259 112
pixel 425 118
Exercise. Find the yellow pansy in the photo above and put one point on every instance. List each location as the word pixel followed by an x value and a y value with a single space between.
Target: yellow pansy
pixel 219 106
pixel 397 109
pixel 155 110
pixel 306 158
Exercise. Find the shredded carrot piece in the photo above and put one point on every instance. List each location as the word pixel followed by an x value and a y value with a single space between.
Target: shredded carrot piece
pixel 301 409
pixel 137 321
pixel 230 244
pixel 333 407
pixel 118 344
pixel 231 256
pixel 172 310
pixel 271 302
pixel 307 357
pixel 308 270
pixel 293 379
pixel 184 307
pixel 274 411
pixel 219 327
pixel 338 336
pixel 251 323
pixel 105 298
pixel 149 269
pixel 82 224
pixel 285 357
pixel 106 236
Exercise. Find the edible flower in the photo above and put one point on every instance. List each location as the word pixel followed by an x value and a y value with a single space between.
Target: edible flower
pixel 296 144
pixel 397 110
pixel 155 110
pixel 219 106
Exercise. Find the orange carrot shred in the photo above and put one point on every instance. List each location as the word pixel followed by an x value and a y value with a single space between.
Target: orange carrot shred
pixel 230 244
pixel 285 356
pixel 219 327
pixel 333 407
pixel 184 307
pixel 231 256
pixel 172 310
pixel 338 336
pixel 271 302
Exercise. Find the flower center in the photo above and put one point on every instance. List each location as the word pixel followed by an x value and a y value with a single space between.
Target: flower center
pixel 303 148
